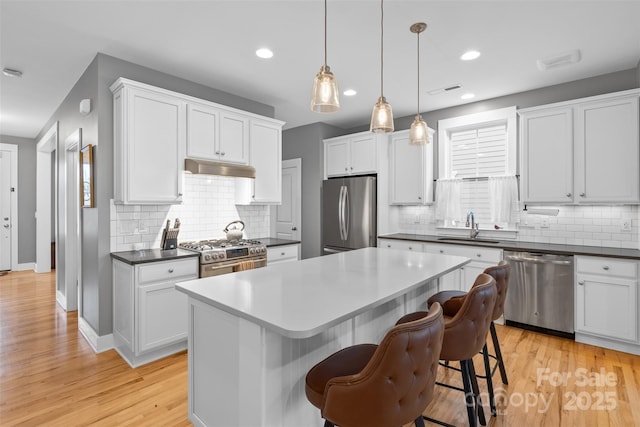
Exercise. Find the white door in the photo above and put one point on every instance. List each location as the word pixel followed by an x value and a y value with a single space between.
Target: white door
pixel 5 209
pixel 288 215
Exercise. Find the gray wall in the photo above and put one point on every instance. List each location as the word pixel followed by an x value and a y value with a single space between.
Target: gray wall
pixel 638 74
pixel 305 142
pixel 26 196
pixel 97 129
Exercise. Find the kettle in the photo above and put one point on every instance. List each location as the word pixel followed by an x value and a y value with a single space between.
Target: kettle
pixel 232 230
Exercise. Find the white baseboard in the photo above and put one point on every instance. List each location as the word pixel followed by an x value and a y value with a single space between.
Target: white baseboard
pixel 97 342
pixel 24 266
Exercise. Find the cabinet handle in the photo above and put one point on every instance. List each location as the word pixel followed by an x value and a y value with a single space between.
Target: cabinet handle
pixel 581 282
pixel 281 253
pixel 351 167
pixel 222 153
pixel 568 194
pixel 582 194
pixel 605 267
pixel 388 246
pixel 479 255
pixel 441 251
pixel 419 197
pixel 294 228
pixel 346 169
pixel 410 248
pixel 179 194
pixel 217 152
pixel 171 270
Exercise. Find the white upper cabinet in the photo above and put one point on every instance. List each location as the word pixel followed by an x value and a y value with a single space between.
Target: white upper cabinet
pixel 411 171
pixel 606 147
pixel 265 155
pixel 582 151
pixel 216 134
pixel 355 154
pixel 149 144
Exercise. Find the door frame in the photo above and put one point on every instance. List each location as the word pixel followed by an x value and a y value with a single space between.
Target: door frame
pixel 46 148
pixel 13 149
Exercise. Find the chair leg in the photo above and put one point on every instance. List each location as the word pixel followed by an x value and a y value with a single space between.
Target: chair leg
pixel 419 422
pixel 328 423
pixel 496 347
pixel 468 394
pixel 476 393
pixel 487 373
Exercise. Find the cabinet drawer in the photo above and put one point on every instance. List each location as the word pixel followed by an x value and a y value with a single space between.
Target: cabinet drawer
pixel 492 256
pixel 406 245
pixel 282 253
pixel 607 267
pixel 167 270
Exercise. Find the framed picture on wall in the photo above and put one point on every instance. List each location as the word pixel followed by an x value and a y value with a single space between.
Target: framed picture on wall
pixel 86 177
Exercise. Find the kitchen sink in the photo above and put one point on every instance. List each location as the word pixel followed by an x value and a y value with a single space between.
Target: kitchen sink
pixel 467 239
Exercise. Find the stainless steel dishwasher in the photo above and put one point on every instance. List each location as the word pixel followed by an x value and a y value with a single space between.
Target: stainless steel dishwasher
pixel 540 293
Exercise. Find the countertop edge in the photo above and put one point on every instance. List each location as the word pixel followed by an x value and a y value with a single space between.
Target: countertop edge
pixel 152 255
pixel 622 253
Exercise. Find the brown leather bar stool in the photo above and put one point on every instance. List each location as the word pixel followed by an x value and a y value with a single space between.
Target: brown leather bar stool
pixel 465 334
pixel 383 385
pixel 451 302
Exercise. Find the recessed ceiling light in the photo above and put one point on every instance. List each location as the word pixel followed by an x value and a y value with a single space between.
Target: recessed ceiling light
pixel 467 96
pixel 349 92
pixel 470 55
pixel 11 73
pixel 264 53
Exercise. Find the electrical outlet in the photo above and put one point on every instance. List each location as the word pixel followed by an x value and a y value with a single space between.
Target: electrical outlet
pixel 544 222
pixel 625 225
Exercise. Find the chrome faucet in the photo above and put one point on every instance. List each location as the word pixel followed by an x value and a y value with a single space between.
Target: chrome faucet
pixel 474 227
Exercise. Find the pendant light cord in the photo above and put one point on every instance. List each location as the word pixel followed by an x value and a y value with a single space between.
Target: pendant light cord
pixel 325 33
pixel 382 48
pixel 418 100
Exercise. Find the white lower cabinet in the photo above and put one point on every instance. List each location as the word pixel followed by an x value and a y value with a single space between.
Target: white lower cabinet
pixel 606 303
pixel 463 279
pixel 286 253
pixel 149 314
pixel 400 244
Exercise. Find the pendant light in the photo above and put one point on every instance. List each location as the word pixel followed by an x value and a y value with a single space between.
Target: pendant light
pixel 382 115
pixel 324 96
pixel 418 135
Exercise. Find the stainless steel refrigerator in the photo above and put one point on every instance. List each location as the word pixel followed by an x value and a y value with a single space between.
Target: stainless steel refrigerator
pixel 348 213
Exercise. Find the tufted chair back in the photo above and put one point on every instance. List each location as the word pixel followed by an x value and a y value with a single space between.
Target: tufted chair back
pixel 466 332
pixel 396 385
pixel 500 273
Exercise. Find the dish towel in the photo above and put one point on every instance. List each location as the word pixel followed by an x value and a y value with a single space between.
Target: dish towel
pixel 503 197
pixel 245 265
pixel 448 195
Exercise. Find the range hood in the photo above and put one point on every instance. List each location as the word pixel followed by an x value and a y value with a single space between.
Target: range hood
pixel 205 167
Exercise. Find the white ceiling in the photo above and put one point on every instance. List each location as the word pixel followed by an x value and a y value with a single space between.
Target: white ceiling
pixel 213 43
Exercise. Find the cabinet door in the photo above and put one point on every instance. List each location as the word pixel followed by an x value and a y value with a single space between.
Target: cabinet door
pixel 202 131
pixel 337 158
pixel 607 306
pixel 162 316
pixel 266 156
pixel 234 138
pixel 607 156
pixel 470 272
pixel 546 151
pixel 364 155
pixel 407 179
pixel 155 143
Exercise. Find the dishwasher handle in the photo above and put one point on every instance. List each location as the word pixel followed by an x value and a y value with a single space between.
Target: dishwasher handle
pixel 534 260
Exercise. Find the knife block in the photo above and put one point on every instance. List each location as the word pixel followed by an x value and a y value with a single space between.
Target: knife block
pixel 169 239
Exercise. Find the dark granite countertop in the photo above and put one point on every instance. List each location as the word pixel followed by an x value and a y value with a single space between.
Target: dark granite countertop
pixel 512 245
pixel 272 241
pixel 151 255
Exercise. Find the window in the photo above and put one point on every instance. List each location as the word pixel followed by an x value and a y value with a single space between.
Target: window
pixel 474 148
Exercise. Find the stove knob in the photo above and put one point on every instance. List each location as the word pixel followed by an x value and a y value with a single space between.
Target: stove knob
pixel 263 250
pixel 220 255
pixel 207 257
pixel 252 251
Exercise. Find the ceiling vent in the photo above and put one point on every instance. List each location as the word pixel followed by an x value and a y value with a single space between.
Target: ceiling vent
pixel 559 60
pixel 444 89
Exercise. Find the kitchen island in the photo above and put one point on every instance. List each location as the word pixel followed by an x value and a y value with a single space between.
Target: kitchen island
pixel 253 335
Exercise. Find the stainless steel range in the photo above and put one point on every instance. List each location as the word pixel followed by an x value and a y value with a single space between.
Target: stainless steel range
pixel 227 256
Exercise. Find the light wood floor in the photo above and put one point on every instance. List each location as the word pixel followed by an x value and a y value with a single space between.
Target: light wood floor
pixel 50 376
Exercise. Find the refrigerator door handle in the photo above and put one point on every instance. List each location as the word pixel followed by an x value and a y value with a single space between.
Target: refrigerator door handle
pixel 347 213
pixel 341 212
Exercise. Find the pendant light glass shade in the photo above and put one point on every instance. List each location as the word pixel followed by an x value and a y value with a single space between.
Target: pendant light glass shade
pixel 419 133
pixel 382 115
pixel 324 95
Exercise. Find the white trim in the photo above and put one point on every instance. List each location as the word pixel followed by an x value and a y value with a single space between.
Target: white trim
pixel 24 266
pixel 47 145
pixel 572 102
pixel 98 343
pixel 14 202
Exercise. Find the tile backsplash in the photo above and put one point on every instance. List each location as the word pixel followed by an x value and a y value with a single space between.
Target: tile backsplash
pixel 574 225
pixel 208 206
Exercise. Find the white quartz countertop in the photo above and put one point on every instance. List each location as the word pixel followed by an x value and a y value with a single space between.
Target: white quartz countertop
pixel 301 299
